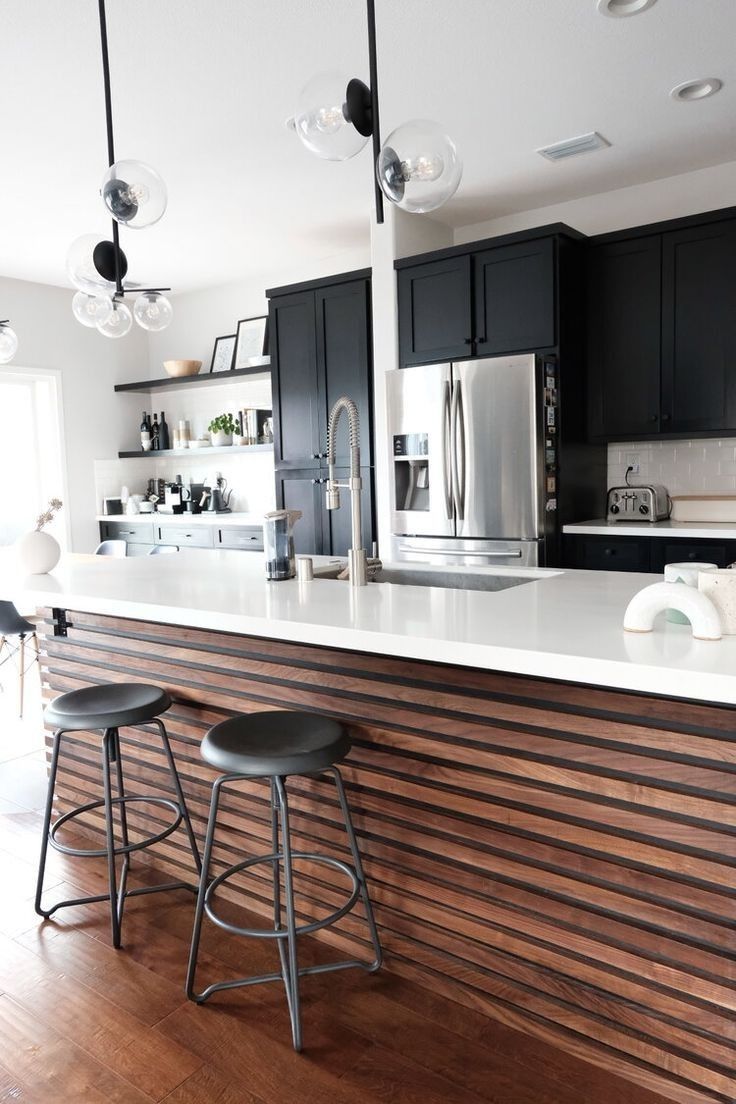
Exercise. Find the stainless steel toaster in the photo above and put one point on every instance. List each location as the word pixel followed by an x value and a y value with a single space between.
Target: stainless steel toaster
pixel 649 503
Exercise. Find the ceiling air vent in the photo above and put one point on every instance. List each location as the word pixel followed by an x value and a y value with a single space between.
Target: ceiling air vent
pixel 585 143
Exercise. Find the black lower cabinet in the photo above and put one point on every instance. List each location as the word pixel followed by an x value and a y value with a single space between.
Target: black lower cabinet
pixel 319 531
pixel 604 553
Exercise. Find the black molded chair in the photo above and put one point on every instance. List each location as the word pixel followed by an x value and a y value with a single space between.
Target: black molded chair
pixel 275 745
pixel 108 708
pixel 13 625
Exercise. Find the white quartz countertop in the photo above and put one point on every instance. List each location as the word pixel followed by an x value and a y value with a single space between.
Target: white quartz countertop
pixel 703 530
pixel 562 625
pixel 233 520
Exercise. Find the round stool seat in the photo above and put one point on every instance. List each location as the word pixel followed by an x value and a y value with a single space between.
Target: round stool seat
pixel 277 743
pixel 110 705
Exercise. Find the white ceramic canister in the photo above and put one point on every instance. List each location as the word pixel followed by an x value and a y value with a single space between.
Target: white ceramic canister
pixel 686 573
pixel 720 587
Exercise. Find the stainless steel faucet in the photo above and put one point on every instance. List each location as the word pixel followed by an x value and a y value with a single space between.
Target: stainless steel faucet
pixel 357 557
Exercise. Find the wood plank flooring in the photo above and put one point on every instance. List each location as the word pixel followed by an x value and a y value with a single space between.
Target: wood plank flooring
pixel 81 1022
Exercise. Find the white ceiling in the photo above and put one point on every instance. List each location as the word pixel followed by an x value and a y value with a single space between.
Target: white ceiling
pixel 201 89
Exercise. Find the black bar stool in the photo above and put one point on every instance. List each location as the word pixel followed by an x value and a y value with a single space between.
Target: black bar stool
pixel 275 745
pixel 110 707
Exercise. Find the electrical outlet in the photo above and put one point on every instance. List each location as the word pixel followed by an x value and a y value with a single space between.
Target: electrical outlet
pixel 631 460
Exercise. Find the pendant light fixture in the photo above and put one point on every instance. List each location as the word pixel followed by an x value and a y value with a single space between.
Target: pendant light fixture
pixel 8 342
pixel 418 168
pixel 135 196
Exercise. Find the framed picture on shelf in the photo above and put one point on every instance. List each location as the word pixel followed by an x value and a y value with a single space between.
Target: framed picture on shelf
pixel 223 353
pixel 251 348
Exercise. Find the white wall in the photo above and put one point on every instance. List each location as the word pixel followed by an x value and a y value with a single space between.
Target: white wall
pixel 674 197
pixel 89 365
pixel 201 316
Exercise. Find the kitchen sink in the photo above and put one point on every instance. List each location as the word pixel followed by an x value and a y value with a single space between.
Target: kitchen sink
pixel 436 577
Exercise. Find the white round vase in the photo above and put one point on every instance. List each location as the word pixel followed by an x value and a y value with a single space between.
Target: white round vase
pixel 37 552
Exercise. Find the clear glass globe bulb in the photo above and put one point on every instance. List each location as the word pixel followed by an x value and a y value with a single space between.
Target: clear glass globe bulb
pixel 418 167
pixel 153 311
pixel 8 343
pixel 119 322
pixel 320 118
pixel 91 309
pixel 80 266
pixel 134 194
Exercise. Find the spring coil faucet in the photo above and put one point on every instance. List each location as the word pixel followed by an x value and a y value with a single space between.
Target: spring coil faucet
pixel 357 557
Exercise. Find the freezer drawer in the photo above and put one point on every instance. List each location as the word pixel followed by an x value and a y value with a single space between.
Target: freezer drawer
pixel 473 553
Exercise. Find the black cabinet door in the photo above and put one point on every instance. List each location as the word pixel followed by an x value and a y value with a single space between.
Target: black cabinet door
pixel 680 550
pixel 699 329
pixel 344 361
pixel 515 298
pixel 608 554
pixel 295 380
pixel 624 338
pixel 304 490
pixel 435 311
pixel 337 523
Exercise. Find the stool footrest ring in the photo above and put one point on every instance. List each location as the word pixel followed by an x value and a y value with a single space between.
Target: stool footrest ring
pixel 46 913
pixel 282 933
pixel 260 979
pixel 99 852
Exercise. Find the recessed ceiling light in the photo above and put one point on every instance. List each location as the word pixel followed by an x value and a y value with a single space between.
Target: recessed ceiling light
pixel 692 90
pixel 571 147
pixel 618 8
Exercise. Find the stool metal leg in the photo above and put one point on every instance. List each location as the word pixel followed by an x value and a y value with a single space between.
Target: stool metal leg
pixel 358 865
pixel 291 977
pixel 108 749
pixel 199 910
pixel 47 823
pixel 179 793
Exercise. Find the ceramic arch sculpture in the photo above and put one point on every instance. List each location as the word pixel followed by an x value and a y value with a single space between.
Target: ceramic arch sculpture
pixel 644 607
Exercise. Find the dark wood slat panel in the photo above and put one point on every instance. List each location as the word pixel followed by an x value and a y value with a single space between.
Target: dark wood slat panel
pixel 560 857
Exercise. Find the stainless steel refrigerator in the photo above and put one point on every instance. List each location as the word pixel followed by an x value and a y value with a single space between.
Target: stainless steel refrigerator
pixel 474 448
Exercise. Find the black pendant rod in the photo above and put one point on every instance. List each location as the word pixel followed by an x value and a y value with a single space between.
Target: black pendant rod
pixel 110 136
pixel 373 80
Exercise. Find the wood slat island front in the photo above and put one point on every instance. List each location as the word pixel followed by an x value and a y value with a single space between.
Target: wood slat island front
pixel 557 856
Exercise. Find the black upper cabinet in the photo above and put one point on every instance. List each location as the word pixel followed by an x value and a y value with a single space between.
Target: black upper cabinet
pixel 296 393
pixel 344 359
pixel 662 330
pixel 435 311
pixel 699 329
pixel 515 298
pixel 321 350
pixel 624 308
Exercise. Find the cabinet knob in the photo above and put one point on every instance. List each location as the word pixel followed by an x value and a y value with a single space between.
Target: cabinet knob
pixel 666 417
pixel 609 552
pixel 652 417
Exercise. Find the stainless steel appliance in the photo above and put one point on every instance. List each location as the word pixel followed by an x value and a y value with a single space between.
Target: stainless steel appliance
pixel 647 503
pixel 474 447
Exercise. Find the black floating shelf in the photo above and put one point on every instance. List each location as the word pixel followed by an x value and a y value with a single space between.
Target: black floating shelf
pixel 204 379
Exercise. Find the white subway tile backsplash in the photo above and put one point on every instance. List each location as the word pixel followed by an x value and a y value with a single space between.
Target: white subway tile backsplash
pixel 684 467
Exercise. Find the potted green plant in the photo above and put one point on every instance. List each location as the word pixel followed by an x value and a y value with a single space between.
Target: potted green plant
pixel 221 430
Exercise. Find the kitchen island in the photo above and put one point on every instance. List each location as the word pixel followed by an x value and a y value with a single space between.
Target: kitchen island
pixel 544 802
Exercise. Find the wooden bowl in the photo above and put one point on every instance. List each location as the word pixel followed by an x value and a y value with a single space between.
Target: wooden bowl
pixel 182 367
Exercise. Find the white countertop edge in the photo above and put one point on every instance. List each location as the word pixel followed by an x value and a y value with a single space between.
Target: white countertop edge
pixel 712 530
pixel 708 687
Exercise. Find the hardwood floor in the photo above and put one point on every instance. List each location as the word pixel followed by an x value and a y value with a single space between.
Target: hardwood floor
pixel 82 1022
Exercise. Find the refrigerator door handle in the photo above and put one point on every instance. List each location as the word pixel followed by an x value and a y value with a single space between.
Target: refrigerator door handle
pixel 509 554
pixel 458 454
pixel 446 456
